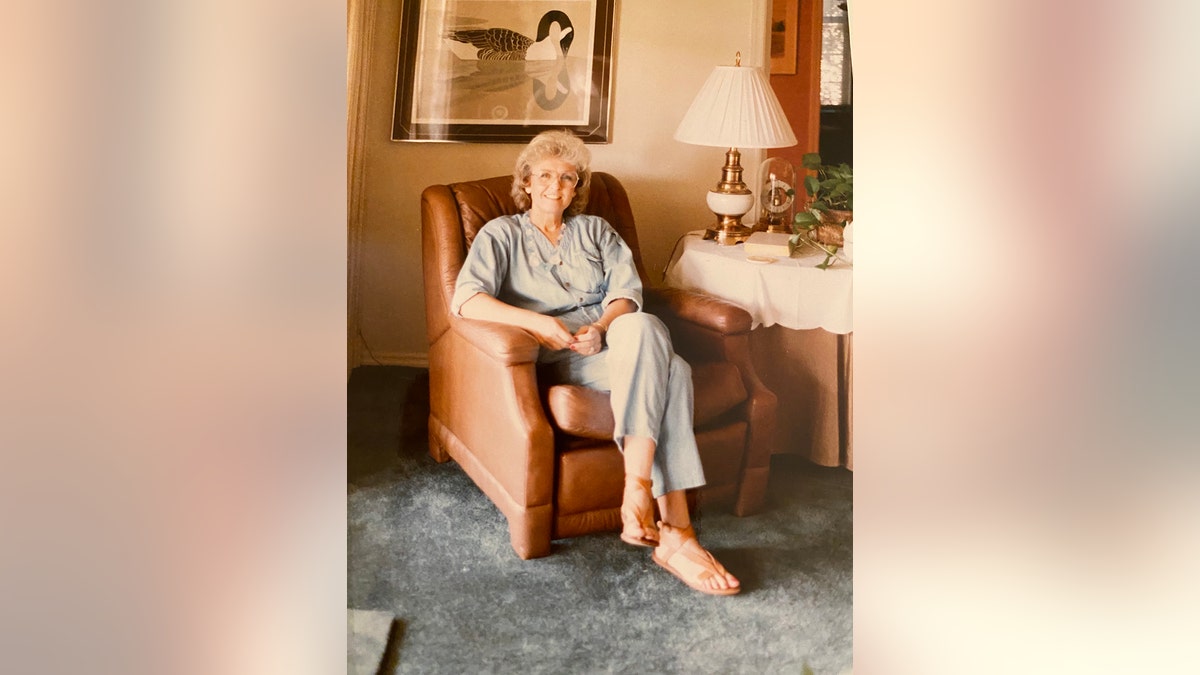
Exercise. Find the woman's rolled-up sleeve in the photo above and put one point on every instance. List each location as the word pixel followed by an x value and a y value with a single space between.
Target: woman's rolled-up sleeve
pixel 482 271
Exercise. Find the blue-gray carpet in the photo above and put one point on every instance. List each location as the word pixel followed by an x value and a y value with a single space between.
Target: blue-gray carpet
pixel 426 546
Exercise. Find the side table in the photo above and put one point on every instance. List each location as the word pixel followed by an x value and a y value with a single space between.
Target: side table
pixel 802 339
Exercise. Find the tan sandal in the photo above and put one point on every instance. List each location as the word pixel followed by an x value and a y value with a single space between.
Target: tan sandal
pixel 689 562
pixel 637 513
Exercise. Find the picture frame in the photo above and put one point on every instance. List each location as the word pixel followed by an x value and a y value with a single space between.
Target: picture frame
pixel 785 15
pixel 503 71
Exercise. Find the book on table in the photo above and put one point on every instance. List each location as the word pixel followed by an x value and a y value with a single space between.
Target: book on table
pixel 769 244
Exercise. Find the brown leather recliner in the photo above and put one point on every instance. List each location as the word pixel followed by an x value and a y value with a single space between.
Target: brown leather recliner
pixel 544 454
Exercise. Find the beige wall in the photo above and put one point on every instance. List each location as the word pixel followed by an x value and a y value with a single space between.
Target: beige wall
pixel 663 53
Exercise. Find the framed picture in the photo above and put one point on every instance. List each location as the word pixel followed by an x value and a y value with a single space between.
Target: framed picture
pixel 501 71
pixel 785 14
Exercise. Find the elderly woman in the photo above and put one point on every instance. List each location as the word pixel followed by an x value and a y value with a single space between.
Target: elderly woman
pixel 569 279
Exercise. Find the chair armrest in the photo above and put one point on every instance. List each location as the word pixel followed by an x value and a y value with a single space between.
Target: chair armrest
pixel 507 345
pixel 701 309
pixel 486 410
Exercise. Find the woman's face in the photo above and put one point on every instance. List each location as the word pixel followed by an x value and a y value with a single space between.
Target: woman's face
pixel 552 186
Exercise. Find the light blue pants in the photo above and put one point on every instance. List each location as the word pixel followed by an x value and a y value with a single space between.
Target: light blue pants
pixel 651 390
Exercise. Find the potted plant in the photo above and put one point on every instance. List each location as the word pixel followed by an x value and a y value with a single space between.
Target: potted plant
pixel 829 207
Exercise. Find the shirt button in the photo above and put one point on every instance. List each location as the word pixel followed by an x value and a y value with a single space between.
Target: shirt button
pixel 567 284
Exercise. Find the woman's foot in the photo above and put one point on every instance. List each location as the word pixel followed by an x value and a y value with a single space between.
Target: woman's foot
pixel 680 553
pixel 637 513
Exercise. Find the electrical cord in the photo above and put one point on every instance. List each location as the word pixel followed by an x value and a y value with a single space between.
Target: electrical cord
pixel 675 249
pixel 363 340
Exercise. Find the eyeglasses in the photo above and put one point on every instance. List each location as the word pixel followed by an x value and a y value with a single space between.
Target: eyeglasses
pixel 563 179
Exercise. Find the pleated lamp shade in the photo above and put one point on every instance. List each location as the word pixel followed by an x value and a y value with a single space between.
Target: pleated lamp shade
pixel 736 109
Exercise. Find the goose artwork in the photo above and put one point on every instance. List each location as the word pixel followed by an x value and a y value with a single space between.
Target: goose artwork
pixel 553 40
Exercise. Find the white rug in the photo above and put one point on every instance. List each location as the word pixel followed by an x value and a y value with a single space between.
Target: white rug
pixel 367 634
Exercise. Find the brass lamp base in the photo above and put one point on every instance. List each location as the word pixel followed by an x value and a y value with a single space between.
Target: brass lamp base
pixel 728 236
pixel 730 201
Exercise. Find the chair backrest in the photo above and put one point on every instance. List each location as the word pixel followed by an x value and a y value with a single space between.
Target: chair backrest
pixel 451 216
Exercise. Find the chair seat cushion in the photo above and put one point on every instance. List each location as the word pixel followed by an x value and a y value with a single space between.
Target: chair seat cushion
pixel 585 412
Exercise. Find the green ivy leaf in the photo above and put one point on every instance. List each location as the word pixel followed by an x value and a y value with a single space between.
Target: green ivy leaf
pixel 806 218
pixel 811 160
pixel 812 186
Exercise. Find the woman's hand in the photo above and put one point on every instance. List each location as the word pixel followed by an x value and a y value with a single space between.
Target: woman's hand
pixel 589 340
pixel 551 332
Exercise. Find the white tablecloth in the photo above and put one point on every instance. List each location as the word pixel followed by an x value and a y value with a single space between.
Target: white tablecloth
pixel 791 292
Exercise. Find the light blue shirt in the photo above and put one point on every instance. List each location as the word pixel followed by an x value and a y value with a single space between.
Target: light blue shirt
pixel 512 261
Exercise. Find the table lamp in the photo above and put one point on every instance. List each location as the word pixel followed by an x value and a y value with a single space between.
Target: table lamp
pixel 734 109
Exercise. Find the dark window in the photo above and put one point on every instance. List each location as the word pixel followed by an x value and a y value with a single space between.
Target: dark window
pixel 837 92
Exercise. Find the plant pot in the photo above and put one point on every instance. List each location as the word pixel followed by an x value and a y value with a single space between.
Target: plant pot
pixel 836 217
pixel 827 235
pixel 830 231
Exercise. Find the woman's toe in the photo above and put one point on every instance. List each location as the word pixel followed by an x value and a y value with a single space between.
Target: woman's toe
pixel 720 582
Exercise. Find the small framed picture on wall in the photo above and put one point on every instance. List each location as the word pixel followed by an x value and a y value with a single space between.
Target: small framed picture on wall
pixel 784 16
